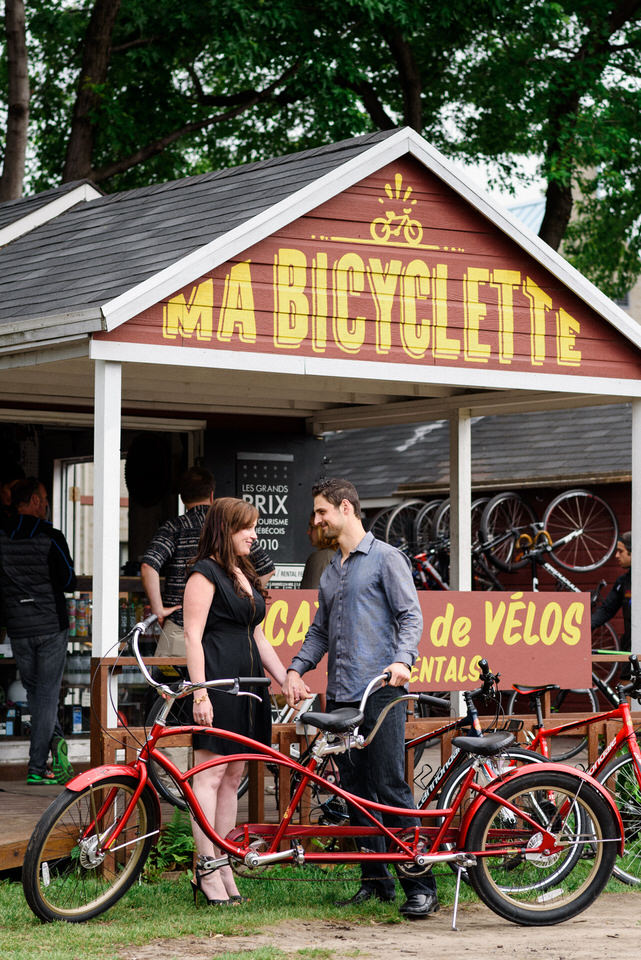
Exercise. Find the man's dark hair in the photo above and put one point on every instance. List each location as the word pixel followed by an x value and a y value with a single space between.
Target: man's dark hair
pixel 196 484
pixel 23 490
pixel 335 490
pixel 626 540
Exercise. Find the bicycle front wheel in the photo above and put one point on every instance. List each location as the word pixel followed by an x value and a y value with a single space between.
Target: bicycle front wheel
pixel 621 780
pixel 604 638
pixel 399 530
pixel 66 875
pixel 532 887
pixel 587 526
pixel 505 518
pixel 565 747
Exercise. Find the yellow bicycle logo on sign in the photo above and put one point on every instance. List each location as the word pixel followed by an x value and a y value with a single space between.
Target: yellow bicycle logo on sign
pixel 392 224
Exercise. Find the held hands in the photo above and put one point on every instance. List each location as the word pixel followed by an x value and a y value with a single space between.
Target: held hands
pixel 400 674
pixel 295 689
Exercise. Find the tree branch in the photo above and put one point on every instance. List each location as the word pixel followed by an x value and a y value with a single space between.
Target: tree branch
pixel 157 146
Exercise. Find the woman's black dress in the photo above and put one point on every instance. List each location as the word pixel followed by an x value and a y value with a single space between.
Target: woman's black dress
pixel 231 651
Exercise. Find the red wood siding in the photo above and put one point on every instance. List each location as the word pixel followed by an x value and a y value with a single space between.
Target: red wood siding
pixel 446 287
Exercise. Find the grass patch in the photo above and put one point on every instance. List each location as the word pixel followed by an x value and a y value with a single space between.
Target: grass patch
pixel 165 910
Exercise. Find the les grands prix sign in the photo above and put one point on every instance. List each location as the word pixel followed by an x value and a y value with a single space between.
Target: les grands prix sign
pixel 527 637
pixel 398 268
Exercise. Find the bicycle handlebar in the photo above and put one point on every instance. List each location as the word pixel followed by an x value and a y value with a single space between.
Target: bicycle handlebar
pixel 230 685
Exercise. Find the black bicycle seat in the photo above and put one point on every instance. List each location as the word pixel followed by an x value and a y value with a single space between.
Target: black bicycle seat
pixel 486 745
pixel 343 720
pixel 542 688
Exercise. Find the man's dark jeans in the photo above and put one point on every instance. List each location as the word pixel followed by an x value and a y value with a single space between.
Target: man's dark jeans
pixel 378 773
pixel 41 662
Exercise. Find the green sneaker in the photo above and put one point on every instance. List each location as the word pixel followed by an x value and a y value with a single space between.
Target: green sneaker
pixel 62 769
pixel 46 777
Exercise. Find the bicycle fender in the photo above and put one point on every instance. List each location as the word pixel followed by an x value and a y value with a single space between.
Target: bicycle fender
pixel 530 768
pixel 89 777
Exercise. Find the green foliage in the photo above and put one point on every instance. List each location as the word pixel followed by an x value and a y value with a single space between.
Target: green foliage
pixel 174 850
pixel 207 84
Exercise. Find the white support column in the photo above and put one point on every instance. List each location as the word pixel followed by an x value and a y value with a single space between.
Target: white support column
pixel 460 516
pixel 636 526
pixel 460 500
pixel 106 506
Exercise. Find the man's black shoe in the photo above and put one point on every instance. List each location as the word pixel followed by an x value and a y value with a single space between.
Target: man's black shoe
pixel 419 905
pixel 363 895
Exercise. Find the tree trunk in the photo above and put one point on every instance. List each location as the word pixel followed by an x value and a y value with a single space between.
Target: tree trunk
pixel 18 103
pixel 93 73
pixel 410 78
pixel 558 210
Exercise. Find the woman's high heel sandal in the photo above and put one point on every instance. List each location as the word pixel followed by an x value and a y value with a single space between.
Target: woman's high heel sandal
pixel 196 885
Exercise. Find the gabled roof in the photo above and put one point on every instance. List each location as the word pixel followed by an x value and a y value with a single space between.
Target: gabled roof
pixel 104 261
pixel 126 238
pixel 591 444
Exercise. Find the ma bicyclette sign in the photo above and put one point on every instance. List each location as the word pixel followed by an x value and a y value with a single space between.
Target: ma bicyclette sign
pixel 527 637
pixel 397 269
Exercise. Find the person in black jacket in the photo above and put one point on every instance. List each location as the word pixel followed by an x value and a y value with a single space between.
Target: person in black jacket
pixel 36 570
pixel 619 598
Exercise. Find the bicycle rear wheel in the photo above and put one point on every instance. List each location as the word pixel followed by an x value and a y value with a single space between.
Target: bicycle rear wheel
pixel 590 524
pixel 539 888
pixel 504 519
pixel 65 875
pixel 561 748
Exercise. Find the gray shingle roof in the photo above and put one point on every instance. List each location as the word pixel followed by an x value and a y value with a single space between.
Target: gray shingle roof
pixel 98 250
pixel 14 210
pixel 521 448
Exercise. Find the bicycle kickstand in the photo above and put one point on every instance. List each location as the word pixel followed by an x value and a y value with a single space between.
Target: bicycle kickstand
pixel 459 871
pixel 461 862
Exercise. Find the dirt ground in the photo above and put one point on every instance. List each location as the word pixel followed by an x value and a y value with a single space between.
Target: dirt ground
pixel 610 926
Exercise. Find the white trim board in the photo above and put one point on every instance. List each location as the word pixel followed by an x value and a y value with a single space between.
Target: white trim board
pixel 49 211
pixel 272 363
pixel 405 141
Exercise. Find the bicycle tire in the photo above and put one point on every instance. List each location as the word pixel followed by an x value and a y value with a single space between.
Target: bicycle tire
pixel 399 529
pixel 560 749
pixel 518 756
pixel 532 889
pixel 179 715
pixel 63 878
pixel 605 638
pixel 627 797
pixel 423 523
pixel 504 519
pixel 379 523
pixel 441 524
pixel 580 510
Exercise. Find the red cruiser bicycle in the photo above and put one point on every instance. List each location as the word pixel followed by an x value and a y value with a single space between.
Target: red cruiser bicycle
pixel 538 843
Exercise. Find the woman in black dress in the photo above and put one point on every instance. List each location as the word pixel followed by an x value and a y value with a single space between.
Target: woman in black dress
pixel 224 605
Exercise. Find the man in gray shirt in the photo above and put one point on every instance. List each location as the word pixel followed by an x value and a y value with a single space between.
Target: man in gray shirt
pixel 368 622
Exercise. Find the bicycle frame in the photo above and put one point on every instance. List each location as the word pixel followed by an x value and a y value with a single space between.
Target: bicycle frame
pixel 626 736
pixel 403 850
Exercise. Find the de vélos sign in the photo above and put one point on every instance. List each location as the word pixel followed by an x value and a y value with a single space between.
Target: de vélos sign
pixel 527 637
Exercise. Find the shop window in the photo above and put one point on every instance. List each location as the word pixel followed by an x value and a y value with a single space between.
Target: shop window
pixel 72 511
